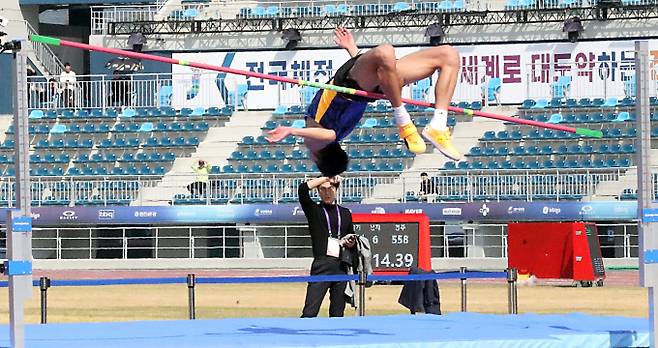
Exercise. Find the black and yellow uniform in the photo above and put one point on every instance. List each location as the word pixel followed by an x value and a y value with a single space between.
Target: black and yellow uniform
pixel 337 111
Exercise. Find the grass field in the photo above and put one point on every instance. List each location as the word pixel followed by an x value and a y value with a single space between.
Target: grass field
pixel 150 302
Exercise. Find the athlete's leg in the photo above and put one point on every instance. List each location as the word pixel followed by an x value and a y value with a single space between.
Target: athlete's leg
pixel 420 65
pixel 377 68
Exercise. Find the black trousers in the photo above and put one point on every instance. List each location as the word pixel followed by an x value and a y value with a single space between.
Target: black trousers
pixel 315 292
pixel 197 188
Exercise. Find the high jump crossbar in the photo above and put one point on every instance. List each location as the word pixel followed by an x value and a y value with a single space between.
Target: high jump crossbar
pixel 58 42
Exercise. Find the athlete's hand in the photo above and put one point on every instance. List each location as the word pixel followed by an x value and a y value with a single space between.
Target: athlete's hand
pixel 278 134
pixel 344 39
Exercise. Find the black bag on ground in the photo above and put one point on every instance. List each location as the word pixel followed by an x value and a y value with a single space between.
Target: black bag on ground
pixel 420 296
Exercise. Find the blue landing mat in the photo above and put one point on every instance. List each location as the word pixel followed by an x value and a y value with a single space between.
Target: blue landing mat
pixel 400 331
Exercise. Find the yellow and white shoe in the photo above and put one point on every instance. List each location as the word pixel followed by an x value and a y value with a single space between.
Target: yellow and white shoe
pixel 414 141
pixel 442 141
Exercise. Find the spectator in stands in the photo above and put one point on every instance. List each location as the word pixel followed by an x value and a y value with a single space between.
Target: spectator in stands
pixel 332 116
pixel 33 87
pixel 69 83
pixel 427 187
pixel 121 91
pixel 50 97
pixel 199 187
pixel 330 226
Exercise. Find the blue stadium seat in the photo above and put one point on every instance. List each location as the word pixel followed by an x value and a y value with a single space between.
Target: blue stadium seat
pixel 36 114
pixel 229 169
pixel 585 103
pixel 492 165
pixel 167 142
pixel 48 158
pixel 598 102
pixel 555 118
pixel 142 157
pixel 489 151
pixel 301 168
pixel 532 150
pixel 628 148
pixel 489 135
pixel 73 171
pixel 528 103
pixel 503 151
pixel 540 104
pixel 571 103
pixel 475 151
pixel 628 102
pixel 555 103
pixel 146 127
pixel 127 157
pixel 548 164
pixel 368 153
pixel 58 129
pixel 610 102
pixel 585 163
pixel 622 117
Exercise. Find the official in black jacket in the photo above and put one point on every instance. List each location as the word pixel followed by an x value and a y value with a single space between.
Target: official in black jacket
pixel 330 227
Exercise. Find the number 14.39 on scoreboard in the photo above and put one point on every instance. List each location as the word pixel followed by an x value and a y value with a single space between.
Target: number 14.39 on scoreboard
pixel 398 241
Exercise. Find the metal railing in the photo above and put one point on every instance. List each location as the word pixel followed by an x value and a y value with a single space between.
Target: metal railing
pixel 103 16
pixel 210 89
pixel 128 91
pixel 588 77
pixel 203 89
pixel 276 241
pixel 44 54
pixel 465 186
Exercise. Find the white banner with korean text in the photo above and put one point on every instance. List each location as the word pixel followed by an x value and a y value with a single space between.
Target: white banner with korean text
pixel 593 69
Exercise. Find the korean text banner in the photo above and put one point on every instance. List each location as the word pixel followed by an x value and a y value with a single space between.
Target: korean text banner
pixel 595 69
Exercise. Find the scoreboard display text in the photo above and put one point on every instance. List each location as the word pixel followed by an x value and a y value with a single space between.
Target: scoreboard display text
pixel 397 241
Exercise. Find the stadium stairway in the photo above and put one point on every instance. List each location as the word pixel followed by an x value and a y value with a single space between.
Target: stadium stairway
pixel 5 122
pixel 610 190
pixel 466 134
pixel 215 149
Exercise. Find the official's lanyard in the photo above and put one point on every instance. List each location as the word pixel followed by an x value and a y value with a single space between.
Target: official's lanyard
pixel 329 222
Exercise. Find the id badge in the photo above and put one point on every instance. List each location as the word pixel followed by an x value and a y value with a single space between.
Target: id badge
pixel 333 247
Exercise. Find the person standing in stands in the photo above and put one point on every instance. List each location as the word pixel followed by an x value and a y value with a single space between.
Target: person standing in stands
pixel 200 186
pixel 427 187
pixel 69 82
pixel 330 226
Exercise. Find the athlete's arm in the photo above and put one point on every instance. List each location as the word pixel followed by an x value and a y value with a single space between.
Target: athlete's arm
pixel 315 133
pixel 343 38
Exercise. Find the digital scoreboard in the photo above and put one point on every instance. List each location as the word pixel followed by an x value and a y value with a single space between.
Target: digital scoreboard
pixel 397 241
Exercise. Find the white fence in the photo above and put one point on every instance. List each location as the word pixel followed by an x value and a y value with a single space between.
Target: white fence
pixel 198 89
pixel 586 79
pixel 45 55
pixel 275 241
pixel 102 16
pixel 275 188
